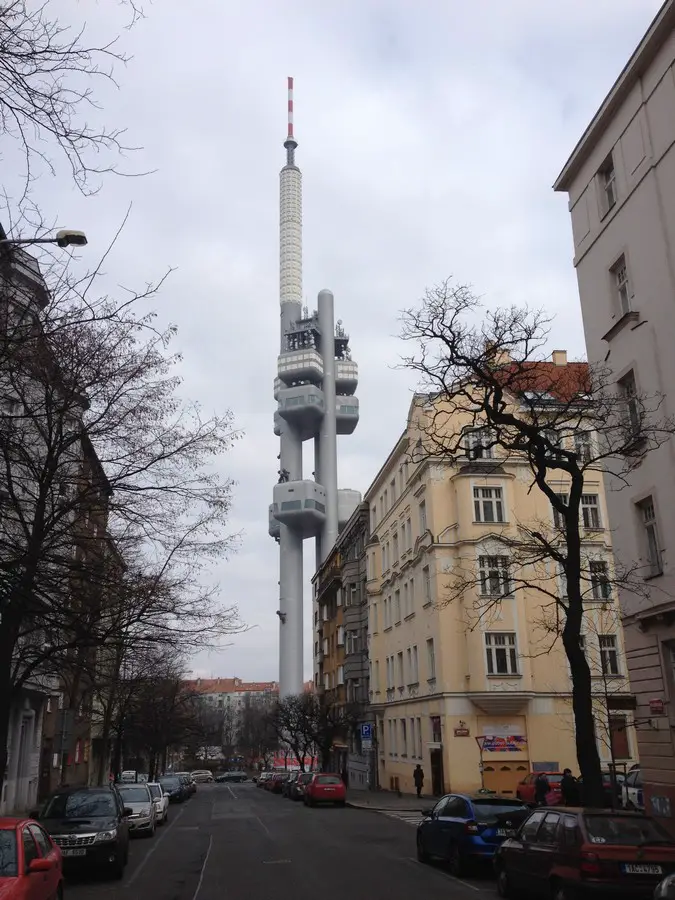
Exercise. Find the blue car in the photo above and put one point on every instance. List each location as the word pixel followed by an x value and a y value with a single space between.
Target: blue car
pixel 462 829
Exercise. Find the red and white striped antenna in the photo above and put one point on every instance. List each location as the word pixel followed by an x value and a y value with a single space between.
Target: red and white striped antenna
pixel 290 106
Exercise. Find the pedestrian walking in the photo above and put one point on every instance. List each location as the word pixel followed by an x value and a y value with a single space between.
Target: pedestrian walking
pixel 541 789
pixel 418 778
pixel 569 788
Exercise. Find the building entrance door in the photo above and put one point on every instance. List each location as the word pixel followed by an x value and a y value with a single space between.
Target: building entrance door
pixel 504 778
pixel 437 780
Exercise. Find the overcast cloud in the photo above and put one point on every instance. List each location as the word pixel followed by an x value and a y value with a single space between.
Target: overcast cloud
pixel 429 134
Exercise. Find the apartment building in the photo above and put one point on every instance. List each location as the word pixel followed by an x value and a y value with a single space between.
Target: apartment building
pixel 478 699
pixel 620 180
pixel 340 640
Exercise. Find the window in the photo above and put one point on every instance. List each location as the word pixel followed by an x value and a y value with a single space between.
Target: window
pixel 353 642
pixel 373 621
pixel 408 526
pixel 558 519
pixel 426 580
pixel 340 635
pixel 387 612
pixel 478 443
pixel 619 272
pixel 386 501
pixel 488 504
pixel 376 676
pixel 399 661
pixel 609 654
pixel 618 733
pixel 419 738
pixel 500 652
pixel 651 536
pixel 590 511
pixel 436 736
pixel 606 177
pixel 601 587
pixel 431 659
pixel 409 663
pixel 414 671
pixel 631 406
pixel 548 830
pixel 411 595
pixel 423 517
pixel 494 576
pixel 395 548
pixel 353 595
pixel 406 610
pixel 30 850
pixel 397 607
pixel 529 830
pixel 404 738
pixel 413 738
pixel 392 488
pixel 583 446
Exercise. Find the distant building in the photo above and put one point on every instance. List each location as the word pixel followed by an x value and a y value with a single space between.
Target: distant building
pixel 620 180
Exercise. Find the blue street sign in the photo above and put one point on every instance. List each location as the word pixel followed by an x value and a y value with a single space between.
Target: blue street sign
pixel 366 731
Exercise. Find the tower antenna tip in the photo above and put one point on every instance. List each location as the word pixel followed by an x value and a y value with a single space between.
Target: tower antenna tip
pixel 290 139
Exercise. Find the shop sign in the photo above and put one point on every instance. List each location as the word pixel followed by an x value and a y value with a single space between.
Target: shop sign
pixel 656 707
pixel 462 732
pixel 509 743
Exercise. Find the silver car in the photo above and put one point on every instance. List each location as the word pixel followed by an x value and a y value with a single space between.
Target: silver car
pixel 143 818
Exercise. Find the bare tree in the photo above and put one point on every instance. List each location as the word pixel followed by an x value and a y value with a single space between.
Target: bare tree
pixel 256 738
pixel 98 446
pixel 491 398
pixel 309 724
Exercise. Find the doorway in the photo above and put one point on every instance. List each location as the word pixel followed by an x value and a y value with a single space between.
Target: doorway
pixel 436 763
pixel 504 779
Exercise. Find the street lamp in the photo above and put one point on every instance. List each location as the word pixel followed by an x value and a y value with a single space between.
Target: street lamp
pixel 67 237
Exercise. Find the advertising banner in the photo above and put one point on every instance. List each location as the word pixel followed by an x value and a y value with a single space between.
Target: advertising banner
pixel 507 743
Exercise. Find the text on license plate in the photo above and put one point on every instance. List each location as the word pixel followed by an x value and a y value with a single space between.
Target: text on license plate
pixel 505 832
pixel 72 852
pixel 641 869
pixel 329 790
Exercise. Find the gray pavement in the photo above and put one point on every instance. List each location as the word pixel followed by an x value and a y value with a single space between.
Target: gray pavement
pixel 240 843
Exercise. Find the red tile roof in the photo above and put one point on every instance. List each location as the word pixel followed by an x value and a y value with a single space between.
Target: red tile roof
pixel 564 383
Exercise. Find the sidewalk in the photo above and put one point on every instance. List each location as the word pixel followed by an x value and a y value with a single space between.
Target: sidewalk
pixel 385 801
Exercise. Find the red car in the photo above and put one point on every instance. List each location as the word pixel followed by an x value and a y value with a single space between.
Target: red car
pixel 525 790
pixel 325 788
pixel 30 862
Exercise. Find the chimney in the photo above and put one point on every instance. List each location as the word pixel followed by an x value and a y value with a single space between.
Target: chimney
pixel 559 357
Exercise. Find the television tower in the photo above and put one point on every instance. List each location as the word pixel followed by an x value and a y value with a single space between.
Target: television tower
pixel 314 390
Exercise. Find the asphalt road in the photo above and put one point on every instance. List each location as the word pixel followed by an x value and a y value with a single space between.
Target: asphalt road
pixel 240 843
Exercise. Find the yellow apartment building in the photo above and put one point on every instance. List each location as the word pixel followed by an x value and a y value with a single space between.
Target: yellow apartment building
pixel 478 699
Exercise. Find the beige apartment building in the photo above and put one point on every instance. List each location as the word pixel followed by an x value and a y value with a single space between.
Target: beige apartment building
pixel 477 700
pixel 620 180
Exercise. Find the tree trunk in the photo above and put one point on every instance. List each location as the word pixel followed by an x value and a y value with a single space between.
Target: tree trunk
pixel 7 643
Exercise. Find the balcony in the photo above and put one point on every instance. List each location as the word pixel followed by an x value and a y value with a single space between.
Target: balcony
pixel 346 376
pixel 301 505
pixel 503 699
pixel 300 365
pixel 302 407
pixel 346 413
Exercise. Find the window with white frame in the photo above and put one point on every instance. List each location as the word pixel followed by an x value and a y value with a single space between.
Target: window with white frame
pixel 590 511
pixel 426 584
pixel 423 517
pixel 390 677
pixel 494 576
pixel 651 540
pixel 488 504
pixel 619 272
pixel 419 738
pixel 387 612
pixel 353 594
pixel 403 538
pixel 408 526
pixel 583 446
pixel 411 595
pixel 400 671
pixel 415 671
pixel 607 179
pixel 395 545
pixel 340 635
pixel 631 405
pixel 409 663
pixel 406 610
pixel 609 654
pixel 341 675
pixel 413 738
pixel 404 738
pixel 601 586
pixel 500 653
pixel 478 443
pixel 431 659
pixel 397 607
pixel 558 519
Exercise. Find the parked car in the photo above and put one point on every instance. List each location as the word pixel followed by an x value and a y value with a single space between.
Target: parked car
pixel 276 782
pixel 525 790
pixel 325 787
pixel 297 789
pixel 612 788
pixel 128 776
pixel 90 826
pixel 202 776
pixel 231 776
pixel 30 862
pixel 632 796
pixel 175 788
pixel 263 778
pixel 461 829
pixel 562 853
pixel 160 801
pixel 288 784
pixel 142 816
pixel 190 786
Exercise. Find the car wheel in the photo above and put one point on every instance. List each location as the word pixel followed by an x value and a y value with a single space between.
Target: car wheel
pixel 422 854
pixel 118 867
pixel 454 861
pixel 503 886
pixel 166 816
pixel 59 892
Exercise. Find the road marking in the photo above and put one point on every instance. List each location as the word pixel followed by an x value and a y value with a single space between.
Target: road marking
pixel 201 874
pixel 147 856
pixel 264 827
pixel 418 865
pixel 232 792
pixel 273 862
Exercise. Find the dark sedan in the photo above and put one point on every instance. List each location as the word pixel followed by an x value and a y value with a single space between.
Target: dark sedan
pixel 175 788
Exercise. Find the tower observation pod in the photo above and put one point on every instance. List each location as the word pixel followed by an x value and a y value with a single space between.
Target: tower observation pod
pixel 314 390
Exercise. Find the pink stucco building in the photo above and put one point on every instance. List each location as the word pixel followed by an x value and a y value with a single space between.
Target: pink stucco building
pixel 620 180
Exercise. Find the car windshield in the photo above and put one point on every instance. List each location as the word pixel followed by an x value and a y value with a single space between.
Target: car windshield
pixel 305 777
pixel 487 808
pixel 554 779
pixel 626 830
pixel 155 790
pixel 328 779
pixel 8 858
pixel 84 805
pixel 133 794
pixel 170 782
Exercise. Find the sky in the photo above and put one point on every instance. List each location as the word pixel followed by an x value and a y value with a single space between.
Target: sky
pixel 429 132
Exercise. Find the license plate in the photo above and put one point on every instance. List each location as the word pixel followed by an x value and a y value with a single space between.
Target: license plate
pixel 74 852
pixel 506 832
pixel 641 869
